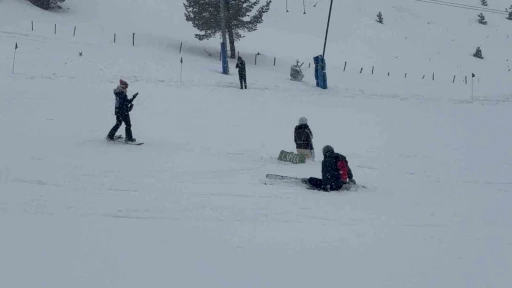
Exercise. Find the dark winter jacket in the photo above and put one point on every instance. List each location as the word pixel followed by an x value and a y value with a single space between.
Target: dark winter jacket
pixel 240 65
pixel 335 171
pixel 122 101
pixel 303 137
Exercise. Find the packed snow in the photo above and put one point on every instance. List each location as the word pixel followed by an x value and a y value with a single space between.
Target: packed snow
pixel 192 208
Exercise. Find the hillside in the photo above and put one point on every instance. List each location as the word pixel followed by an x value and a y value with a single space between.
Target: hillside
pixel 192 208
pixel 417 38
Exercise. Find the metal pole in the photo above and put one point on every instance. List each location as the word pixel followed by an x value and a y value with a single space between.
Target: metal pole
pixel 472 89
pixel 327 29
pixel 225 66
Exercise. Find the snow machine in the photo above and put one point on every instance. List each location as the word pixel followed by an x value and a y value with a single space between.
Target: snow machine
pixel 296 73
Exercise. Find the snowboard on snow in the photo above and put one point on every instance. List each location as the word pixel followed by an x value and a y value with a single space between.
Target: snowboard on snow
pixel 304 181
pixel 120 139
pixel 291 157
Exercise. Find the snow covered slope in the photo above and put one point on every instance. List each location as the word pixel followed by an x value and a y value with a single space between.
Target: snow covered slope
pixel 190 207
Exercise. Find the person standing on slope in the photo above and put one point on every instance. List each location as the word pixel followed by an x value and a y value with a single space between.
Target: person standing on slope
pixel 303 137
pixel 242 75
pixel 335 172
pixel 122 112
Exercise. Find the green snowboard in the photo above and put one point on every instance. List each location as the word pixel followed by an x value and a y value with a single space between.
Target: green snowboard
pixel 291 157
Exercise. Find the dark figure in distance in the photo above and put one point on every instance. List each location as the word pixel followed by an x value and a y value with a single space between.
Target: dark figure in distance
pixel 242 75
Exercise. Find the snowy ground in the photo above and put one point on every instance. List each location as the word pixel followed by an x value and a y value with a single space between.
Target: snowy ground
pixel 189 208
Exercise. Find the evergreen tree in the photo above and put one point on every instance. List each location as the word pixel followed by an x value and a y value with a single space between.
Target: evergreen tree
pixel 481 19
pixel 204 16
pixel 380 19
pixel 510 13
pixel 47 4
pixel 54 4
pixel 478 53
pixel 484 2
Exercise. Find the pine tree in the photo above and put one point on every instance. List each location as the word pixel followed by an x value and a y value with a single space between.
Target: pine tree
pixel 478 53
pixel 380 19
pixel 510 13
pixel 54 4
pixel 204 16
pixel 481 19
pixel 484 2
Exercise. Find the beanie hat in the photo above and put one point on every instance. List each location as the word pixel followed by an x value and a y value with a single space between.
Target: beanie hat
pixel 327 150
pixel 123 83
pixel 303 120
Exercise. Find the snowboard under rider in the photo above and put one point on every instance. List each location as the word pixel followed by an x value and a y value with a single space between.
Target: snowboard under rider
pixel 303 137
pixel 242 74
pixel 335 172
pixel 122 111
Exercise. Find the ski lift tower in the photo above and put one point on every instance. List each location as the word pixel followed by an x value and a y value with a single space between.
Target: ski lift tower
pixel 223 46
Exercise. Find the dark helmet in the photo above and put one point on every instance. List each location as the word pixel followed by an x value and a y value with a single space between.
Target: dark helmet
pixel 327 150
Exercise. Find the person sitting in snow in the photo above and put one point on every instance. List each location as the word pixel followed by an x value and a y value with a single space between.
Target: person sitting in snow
pixel 303 137
pixel 122 112
pixel 335 172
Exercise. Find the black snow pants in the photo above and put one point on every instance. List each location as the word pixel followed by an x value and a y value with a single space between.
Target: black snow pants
pixel 318 184
pixel 120 118
pixel 243 80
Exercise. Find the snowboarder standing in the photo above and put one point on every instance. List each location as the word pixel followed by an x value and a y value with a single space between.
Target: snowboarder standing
pixel 122 112
pixel 335 172
pixel 242 75
pixel 303 137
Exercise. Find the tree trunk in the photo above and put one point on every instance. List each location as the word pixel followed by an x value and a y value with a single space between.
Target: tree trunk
pixel 231 41
pixel 231 34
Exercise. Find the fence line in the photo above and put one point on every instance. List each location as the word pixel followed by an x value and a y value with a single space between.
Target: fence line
pixel 256 62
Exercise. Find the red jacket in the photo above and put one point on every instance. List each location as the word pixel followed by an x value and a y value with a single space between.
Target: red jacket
pixel 344 170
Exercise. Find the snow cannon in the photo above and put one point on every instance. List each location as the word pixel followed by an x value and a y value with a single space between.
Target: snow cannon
pixel 296 73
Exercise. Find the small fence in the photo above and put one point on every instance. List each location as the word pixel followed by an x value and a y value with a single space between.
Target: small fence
pixel 264 60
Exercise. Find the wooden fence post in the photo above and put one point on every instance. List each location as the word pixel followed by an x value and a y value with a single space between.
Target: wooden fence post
pixel 32 25
pixel 453 79
pixel 181 46
pixel 74 32
pixel 405 75
pixel 133 40
pixel 274 61
pixel 433 77
pixel 361 70
pixel 114 37
pixel 255 59
pixel 55 30
pixel 373 67
pixel 345 66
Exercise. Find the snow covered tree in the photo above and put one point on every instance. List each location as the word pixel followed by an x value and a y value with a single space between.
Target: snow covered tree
pixel 481 19
pixel 484 2
pixel 380 19
pixel 478 53
pixel 47 4
pixel 204 16
pixel 54 4
pixel 510 13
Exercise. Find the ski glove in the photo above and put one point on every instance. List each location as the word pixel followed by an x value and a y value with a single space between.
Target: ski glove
pixel 130 108
pixel 352 181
